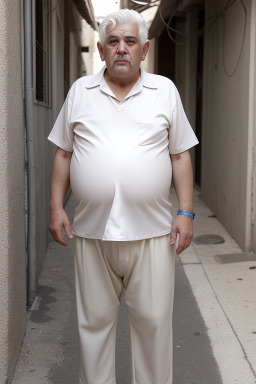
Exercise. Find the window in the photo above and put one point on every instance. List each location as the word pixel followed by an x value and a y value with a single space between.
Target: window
pixel 41 49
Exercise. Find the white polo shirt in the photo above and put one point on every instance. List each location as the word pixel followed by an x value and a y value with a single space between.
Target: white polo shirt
pixel 120 171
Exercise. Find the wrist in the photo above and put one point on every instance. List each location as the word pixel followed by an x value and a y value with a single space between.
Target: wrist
pixel 184 212
pixel 55 207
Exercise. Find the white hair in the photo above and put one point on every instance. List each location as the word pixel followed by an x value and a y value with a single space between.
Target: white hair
pixel 121 17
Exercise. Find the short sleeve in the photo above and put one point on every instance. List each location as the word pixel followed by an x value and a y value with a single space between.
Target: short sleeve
pixel 181 134
pixel 62 131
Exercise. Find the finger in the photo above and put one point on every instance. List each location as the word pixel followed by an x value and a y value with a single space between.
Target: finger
pixel 189 240
pixel 181 245
pixel 57 235
pixel 184 244
pixel 60 239
pixel 173 235
pixel 67 230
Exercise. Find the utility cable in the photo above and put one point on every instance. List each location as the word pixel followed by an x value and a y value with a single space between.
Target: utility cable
pixel 168 28
pixel 231 74
pixel 210 21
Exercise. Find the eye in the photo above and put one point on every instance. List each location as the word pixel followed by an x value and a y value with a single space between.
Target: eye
pixel 130 42
pixel 113 41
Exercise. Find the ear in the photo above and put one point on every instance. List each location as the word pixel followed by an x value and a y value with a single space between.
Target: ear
pixel 101 52
pixel 145 50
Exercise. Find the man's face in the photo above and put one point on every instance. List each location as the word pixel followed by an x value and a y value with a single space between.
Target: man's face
pixel 122 50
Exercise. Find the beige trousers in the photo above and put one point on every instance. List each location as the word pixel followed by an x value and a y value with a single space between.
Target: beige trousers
pixel 145 268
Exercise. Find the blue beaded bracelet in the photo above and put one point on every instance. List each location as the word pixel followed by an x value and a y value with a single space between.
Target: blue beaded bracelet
pixel 186 213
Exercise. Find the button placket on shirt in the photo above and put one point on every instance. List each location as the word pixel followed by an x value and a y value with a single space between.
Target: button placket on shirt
pixel 137 88
pixel 120 106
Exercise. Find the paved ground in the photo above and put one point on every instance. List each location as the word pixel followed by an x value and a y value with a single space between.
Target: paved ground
pixel 214 316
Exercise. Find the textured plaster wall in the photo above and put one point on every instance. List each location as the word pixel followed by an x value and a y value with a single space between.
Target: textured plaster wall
pixel 44 118
pixel 180 62
pixel 75 60
pixel 185 68
pixel 225 118
pixel 75 56
pixel 149 63
pixel 12 232
pixel 42 123
pixel 252 118
pixel 57 43
pixel 87 40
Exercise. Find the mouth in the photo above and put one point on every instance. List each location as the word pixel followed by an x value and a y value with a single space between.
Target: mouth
pixel 122 61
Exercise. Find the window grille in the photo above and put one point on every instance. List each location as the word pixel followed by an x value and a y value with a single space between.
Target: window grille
pixel 42 51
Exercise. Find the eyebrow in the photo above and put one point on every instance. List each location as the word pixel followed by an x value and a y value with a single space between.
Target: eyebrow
pixel 131 37
pixel 126 37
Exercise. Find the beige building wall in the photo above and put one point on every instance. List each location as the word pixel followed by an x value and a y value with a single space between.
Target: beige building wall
pixel 149 63
pixel 75 60
pixel 12 233
pixel 186 66
pixel 87 40
pixel 227 133
pixel 190 74
pixel 12 158
pixel 190 92
pixel 42 122
pixel 44 116
pixel 180 61
pixel 252 117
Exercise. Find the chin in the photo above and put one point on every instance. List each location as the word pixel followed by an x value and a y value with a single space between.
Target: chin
pixel 122 71
pixel 122 68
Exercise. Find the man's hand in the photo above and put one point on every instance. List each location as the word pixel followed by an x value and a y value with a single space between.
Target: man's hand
pixel 59 221
pixel 183 226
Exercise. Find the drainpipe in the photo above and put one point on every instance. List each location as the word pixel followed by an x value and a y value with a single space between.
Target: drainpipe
pixel 30 137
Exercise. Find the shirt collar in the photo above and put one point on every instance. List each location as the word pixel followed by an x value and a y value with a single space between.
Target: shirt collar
pixel 95 80
pixel 145 78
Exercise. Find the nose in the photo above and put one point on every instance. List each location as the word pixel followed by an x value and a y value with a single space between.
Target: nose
pixel 121 49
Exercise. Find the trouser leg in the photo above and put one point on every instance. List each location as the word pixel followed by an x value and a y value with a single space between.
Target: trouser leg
pixel 149 301
pixel 98 290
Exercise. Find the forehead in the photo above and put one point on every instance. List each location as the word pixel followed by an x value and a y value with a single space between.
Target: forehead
pixel 124 29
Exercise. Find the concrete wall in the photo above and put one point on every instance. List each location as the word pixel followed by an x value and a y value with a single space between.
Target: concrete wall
pixel 42 122
pixel 191 66
pixel 75 58
pixel 12 233
pixel 12 170
pixel 149 63
pixel 87 40
pixel 226 177
pixel 44 118
pixel 186 67
pixel 180 61
pixel 252 119
pixel 57 44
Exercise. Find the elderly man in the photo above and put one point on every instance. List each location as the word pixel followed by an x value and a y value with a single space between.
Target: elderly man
pixel 122 137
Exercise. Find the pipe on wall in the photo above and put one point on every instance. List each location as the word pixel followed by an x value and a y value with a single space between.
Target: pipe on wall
pixel 30 138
